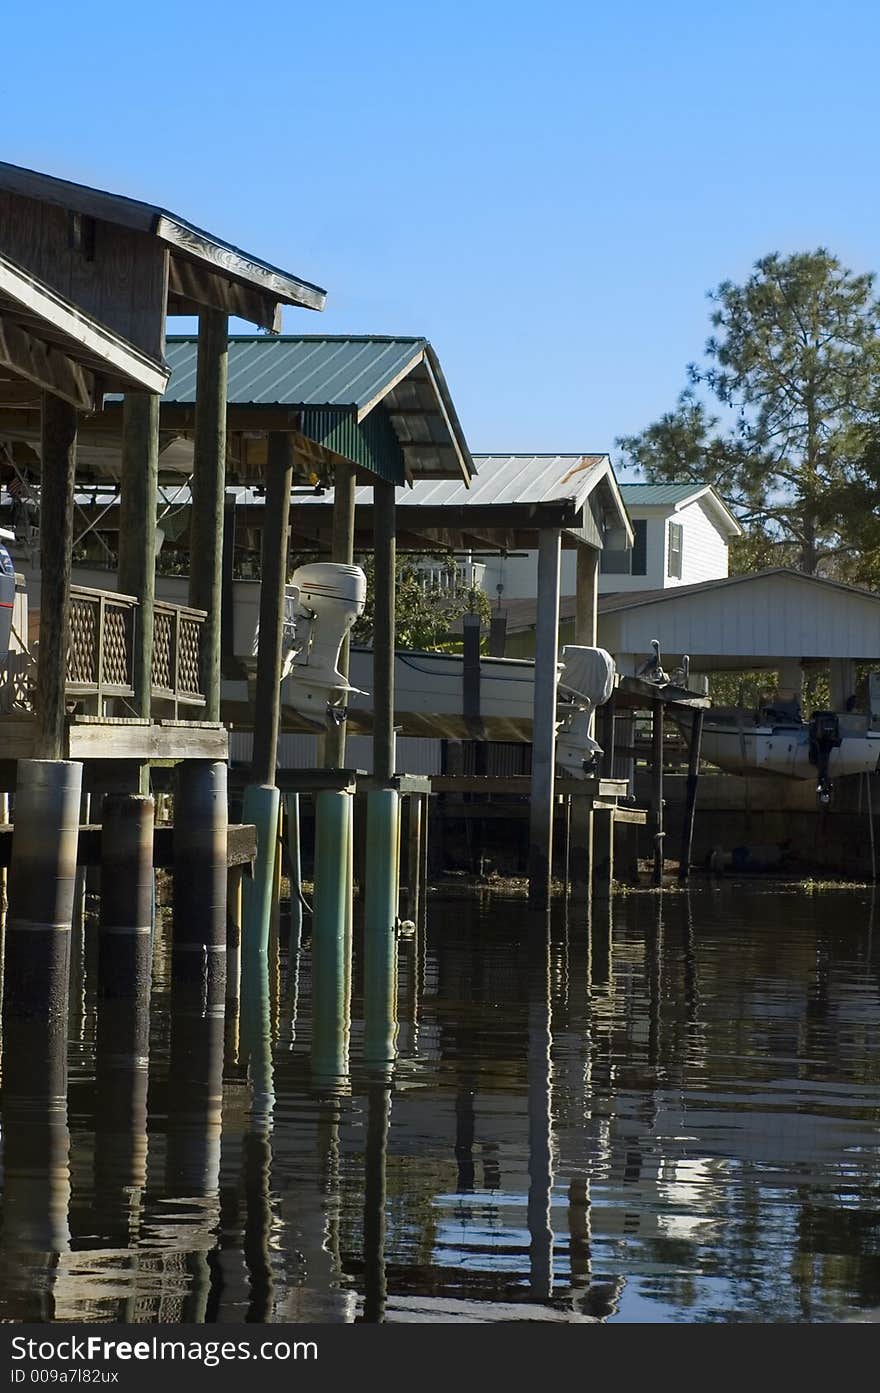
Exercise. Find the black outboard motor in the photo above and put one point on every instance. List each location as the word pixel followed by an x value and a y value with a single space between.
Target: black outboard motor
pixel 824 737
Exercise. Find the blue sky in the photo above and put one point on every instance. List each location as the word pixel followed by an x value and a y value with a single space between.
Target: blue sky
pixel 547 192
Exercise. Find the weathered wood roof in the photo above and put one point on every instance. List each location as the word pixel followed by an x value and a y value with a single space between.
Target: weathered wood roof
pixel 204 269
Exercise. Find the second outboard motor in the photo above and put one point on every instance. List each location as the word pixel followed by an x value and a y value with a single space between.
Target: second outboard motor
pixel 824 737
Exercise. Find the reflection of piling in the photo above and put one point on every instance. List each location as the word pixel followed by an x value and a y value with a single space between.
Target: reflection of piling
pixel 35 1010
pixel 200 833
pixel 600 929
pixel 380 914
pixel 378 1119
pixel 540 1074
pixel 256 1054
pixel 330 968
pixel 260 807
pixel 123 1030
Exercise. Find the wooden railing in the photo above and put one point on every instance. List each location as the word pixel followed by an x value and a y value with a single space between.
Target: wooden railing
pixel 100 661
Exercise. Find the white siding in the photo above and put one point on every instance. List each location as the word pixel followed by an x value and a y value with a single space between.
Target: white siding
pixel 762 619
pixel 704 553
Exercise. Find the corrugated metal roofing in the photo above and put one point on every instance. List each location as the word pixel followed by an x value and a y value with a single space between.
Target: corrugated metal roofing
pixel 302 370
pixel 656 495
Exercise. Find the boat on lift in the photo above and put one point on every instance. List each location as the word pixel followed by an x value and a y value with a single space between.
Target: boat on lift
pixel 323 602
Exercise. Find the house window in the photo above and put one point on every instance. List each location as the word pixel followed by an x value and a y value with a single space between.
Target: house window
pixel 640 548
pixel 616 562
pixel 673 565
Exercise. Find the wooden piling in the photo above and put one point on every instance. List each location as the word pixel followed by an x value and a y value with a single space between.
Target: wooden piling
pixel 603 853
pixel 341 550
pixel 581 843
pixel 58 464
pixel 544 719
pixel 384 577
pixel 657 788
pixel 200 835
pixel 123 1027
pixel 690 805
pixel 276 528
pixel 329 967
pixel 586 607
pixel 209 491
pixel 137 532
pixel 380 937
pixel 414 834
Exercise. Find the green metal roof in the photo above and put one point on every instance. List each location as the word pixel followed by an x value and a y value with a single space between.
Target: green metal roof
pixel 380 401
pixel 657 495
pixel 305 370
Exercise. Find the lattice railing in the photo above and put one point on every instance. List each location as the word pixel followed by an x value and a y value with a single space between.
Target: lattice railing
pixel 99 655
pixel 177 642
pixel 100 659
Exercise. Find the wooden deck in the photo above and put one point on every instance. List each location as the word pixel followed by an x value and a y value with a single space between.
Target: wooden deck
pixel 118 738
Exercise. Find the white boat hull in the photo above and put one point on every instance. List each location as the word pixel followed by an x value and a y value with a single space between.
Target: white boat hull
pixel 785 751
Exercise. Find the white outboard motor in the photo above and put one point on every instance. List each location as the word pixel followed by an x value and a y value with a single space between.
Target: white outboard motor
pixel 587 681
pixel 328 598
pixel 7 601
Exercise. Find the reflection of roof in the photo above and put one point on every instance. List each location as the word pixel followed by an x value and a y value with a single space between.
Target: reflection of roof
pixel 338 382
pixel 673 497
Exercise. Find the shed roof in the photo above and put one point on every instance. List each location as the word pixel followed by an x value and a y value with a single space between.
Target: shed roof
pixel 674 497
pixel 339 379
pixel 191 247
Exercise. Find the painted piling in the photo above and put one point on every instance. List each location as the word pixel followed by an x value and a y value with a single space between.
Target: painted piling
pixel 380 915
pixel 123 1027
pixel 260 807
pixel 330 959
pixel 414 834
pixel 200 835
pixel 233 961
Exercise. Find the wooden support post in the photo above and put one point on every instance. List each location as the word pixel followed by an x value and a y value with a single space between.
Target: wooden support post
pixel 586 609
pixel 276 527
pixel 423 878
pixel 544 719
pixel 603 853
pixel 137 531
pixel 606 737
pixel 581 843
pixel 233 961
pixel 209 492
pixel 330 1025
pixel 380 936
pixel 384 576
pixel 414 834
pixel 228 665
pixel 690 806
pixel 341 550
pixel 657 788
pixel 58 455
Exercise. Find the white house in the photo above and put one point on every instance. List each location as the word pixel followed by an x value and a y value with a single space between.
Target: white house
pixel 682 536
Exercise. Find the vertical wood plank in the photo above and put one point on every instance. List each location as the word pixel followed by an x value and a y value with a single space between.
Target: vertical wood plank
pixel 209 484
pixel 58 451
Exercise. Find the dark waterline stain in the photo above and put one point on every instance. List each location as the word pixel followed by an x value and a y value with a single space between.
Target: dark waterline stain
pixel 668 1114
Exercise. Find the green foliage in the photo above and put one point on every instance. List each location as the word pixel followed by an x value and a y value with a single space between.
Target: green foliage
pixel 424 613
pixel 793 367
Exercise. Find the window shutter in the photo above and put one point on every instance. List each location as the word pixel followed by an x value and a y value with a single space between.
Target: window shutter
pixel 673 568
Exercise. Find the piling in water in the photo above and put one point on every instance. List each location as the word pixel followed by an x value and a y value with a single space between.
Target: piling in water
pixel 330 966
pixel 123 1027
pixel 380 919
pixel 200 835
pixel 260 807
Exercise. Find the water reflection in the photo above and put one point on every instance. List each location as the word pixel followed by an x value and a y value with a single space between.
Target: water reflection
pixel 665 1111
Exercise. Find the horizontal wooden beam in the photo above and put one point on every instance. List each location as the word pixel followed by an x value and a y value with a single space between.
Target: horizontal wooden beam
pixel 192 286
pixel 241 845
pixel 46 367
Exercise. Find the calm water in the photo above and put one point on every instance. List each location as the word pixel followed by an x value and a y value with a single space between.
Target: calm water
pixel 671 1118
